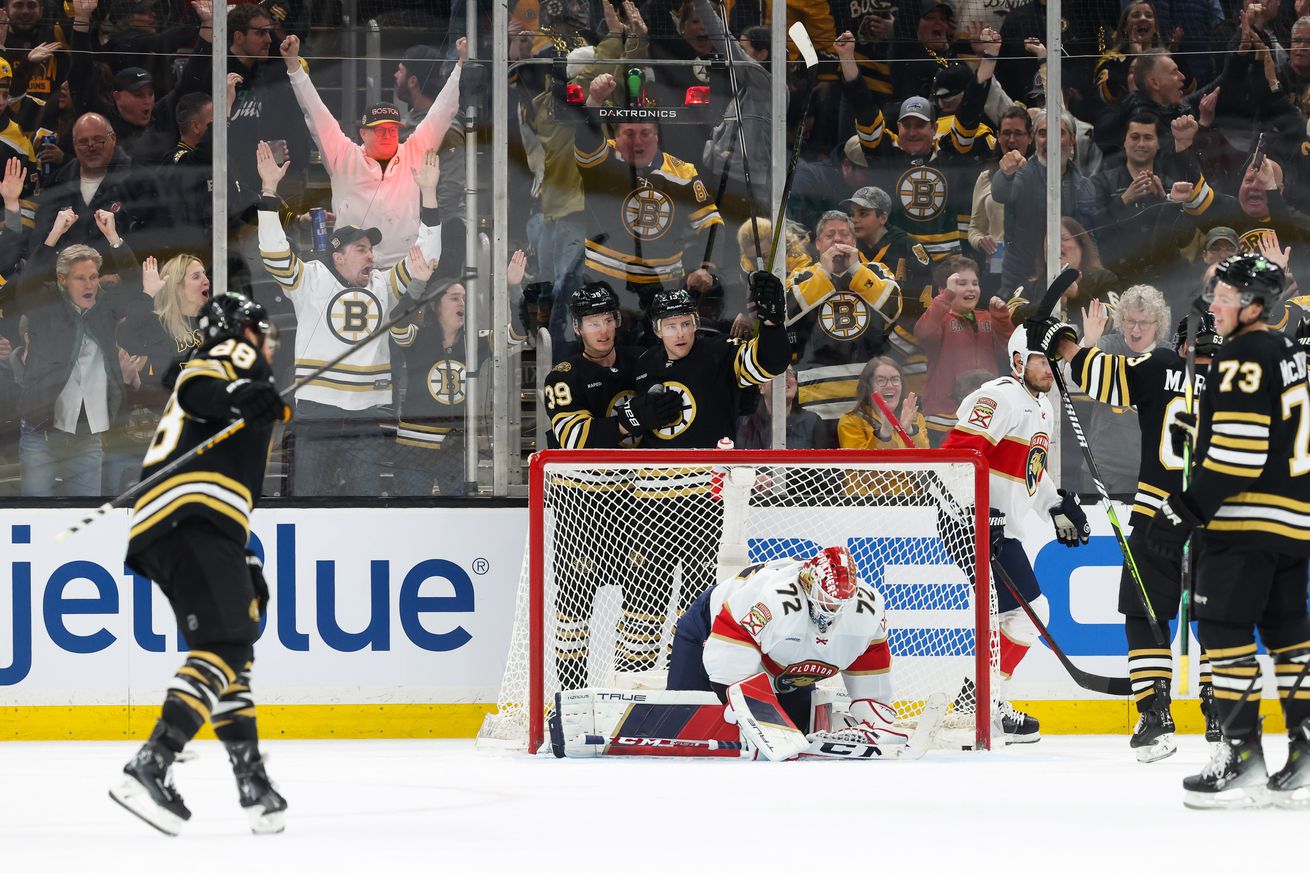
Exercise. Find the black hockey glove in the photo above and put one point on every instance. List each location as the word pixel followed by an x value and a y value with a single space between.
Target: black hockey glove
pixel 1046 334
pixel 256 568
pixel 1071 527
pixel 769 297
pixel 1171 526
pixel 1182 427
pixel 643 413
pixel 996 521
pixel 257 402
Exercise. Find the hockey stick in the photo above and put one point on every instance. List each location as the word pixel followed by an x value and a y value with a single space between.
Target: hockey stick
pixel 1059 285
pixel 660 743
pixel 177 463
pixel 1185 569
pixel 1116 686
pixel 1106 503
pixel 893 421
pixel 801 38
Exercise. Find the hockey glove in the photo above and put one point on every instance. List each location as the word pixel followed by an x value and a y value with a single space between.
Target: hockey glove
pixel 996 521
pixel 869 721
pixel 1071 527
pixel 1046 334
pixel 643 413
pixel 257 402
pixel 1171 526
pixel 256 568
pixel 769 297
pixel 1182 427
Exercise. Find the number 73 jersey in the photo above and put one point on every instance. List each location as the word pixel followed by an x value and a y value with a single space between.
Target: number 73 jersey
pixel 760 621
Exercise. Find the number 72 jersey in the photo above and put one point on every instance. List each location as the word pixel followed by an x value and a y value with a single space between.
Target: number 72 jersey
pixel 223 484
pixel 760 621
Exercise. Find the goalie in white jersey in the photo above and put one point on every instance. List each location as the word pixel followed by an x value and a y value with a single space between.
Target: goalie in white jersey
pixel 801 622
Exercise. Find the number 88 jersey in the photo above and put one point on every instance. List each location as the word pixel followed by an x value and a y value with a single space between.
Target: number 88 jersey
pixel 223 484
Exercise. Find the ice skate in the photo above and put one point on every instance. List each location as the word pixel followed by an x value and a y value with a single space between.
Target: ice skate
pixel 1212 732
pixel 1153 738
pixel 1289 788
pixel 1234 778
pixel 1018 727
pixel 146 789
pixel 264 806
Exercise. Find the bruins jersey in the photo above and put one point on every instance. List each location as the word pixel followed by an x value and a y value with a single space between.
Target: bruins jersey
pixel 1253 482
pixel 222 485
pixel 707 380
pixel 932 198
pixel 641 219
pixel 836 326
pixel 1155 384
pixel 581 396
pixel 436 386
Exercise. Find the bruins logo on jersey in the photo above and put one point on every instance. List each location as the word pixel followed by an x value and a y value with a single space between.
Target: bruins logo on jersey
pixel 688 415
pixel 446 382
pixel 353 314
pixel 844 316
pixel 647 213
pixel 630 441
pixel 1036 462
pixel 922 190
pixel 1250 241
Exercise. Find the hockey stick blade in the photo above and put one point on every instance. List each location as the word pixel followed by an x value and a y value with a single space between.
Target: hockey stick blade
pixel 1056 290
pixel 800 37
pixel 1115 686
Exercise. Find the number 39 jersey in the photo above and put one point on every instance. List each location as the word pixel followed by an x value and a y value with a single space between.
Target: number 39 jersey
pixel 761 621
pixel 223 484
pixel 581 396
pixel 1253 483
pixel 1155 384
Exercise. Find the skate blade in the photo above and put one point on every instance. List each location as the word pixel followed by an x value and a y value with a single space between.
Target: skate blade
pixel 1162 748
pixel 1021 739
pixel 265 823
pixel 1252 797
pixel 130 795
pixel 1297 798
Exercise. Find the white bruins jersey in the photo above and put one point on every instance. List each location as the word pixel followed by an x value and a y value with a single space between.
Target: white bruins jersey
pixel 760 620
pixel 1012 429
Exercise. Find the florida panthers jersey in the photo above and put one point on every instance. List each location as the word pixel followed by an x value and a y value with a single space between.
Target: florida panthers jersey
pixel 1012 428
pixel 760 621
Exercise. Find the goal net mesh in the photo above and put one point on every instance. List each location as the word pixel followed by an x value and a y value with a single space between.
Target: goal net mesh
pixel 625 546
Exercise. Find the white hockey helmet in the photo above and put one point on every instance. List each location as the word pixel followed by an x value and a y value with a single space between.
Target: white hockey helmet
pixel 829 581
pixel 1018 345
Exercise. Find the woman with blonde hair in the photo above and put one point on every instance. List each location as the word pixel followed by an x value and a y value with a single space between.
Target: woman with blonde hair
pixel 168 329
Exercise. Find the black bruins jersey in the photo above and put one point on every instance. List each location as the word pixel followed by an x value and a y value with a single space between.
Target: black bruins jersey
pixel 436 385
pixel 707 379
pixel 1155 384
pixel 931 198
pixel 223 484
pixel 640 220
pixel 580 398
pixel 1253 483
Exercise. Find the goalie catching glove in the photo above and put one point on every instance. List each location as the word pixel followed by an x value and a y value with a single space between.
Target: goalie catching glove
pixel 769 296
pixel 643 413
pixel 1045 335
pixel 1071 527
pixel 868 721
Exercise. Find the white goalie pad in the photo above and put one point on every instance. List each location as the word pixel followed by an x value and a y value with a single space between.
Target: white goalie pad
pixel 591 722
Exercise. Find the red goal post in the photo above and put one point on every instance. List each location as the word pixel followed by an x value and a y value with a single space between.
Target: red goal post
pixel 620 541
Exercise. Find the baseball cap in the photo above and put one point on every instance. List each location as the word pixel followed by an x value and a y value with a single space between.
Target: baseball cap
pixel 380 113
pixel 928 6
pixel 916 107
pixel 1216 234
pixel 132 79
pixel 6 71
pixel 951 79
pixel 854 153
pixel 348 233
pixel 870 198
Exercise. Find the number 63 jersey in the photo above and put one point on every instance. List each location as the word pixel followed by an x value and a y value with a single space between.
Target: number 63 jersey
pixel 221 485
pixel 760 620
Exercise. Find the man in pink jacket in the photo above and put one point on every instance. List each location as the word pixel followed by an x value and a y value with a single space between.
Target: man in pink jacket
pixel 372 182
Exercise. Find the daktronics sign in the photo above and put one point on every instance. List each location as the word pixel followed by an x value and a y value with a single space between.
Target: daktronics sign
pixel 401 592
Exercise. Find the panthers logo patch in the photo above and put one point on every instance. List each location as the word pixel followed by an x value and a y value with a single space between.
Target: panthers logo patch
pixel 803 674
pixel 1036 462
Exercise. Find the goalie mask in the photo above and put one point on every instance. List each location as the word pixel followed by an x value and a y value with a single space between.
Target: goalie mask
pixel 829 581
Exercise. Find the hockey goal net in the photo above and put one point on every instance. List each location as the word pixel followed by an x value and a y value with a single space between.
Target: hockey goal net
pixel 621 542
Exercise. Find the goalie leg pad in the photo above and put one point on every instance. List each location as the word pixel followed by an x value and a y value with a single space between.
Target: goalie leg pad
pixel 591 722
pixel 762 721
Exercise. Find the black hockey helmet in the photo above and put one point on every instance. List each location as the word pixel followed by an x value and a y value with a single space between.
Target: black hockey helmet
pixel 674 301
pixel 594 298
pixel 1258 279
pixel 1208 339
pixel 229 314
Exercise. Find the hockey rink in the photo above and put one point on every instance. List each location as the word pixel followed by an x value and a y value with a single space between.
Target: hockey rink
pixel 1066 803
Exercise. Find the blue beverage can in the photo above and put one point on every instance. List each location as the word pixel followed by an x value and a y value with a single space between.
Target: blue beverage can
pixel 47 170
pixel 318 228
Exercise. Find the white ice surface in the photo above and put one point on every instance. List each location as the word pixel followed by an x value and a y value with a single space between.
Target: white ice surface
pixel 386 806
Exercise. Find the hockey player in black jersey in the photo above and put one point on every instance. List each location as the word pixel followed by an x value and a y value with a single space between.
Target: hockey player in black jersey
pixel 1154 383
pixel 1248 500
pixel 189 535
pixel 591 405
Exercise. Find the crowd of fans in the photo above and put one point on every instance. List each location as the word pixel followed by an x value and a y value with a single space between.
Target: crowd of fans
pixel 915 236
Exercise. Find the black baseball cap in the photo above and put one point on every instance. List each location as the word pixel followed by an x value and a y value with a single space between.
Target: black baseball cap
pixel 346 234
pixel 380 113
pixel 132 79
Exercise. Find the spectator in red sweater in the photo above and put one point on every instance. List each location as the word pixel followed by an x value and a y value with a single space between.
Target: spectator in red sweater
pixel 956 337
